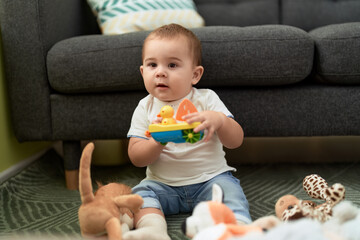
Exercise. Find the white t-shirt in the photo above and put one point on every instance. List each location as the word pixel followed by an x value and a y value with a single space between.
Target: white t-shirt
pixel 183 163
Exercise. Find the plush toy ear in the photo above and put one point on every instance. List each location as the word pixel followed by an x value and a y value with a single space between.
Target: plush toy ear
pixel 217 193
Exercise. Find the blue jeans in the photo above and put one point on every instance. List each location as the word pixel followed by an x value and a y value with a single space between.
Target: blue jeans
pixel 173 200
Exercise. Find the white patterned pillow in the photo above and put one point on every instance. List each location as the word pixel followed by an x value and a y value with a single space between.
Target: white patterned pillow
pixel 123 16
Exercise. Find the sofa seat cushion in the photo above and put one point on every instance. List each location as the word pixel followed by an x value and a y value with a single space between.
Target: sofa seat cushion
pixel 232 56
pixel 338 53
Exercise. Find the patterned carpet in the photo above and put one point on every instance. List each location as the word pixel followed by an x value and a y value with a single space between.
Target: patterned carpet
pixel 36 202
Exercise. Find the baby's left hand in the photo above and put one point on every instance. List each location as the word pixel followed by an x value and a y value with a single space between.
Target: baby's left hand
pixel 210 120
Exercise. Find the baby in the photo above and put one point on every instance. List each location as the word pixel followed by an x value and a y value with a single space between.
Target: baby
pixel 179 176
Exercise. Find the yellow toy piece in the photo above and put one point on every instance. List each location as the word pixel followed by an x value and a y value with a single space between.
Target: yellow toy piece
pixel 172 127
pixel 167 113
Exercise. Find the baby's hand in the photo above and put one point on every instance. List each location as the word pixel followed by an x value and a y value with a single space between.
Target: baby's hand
pixel 210 120
pixel 157 120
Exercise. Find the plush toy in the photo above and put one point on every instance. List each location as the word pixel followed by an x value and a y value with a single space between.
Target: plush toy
pixel 110 210
pixel 345 222
pixel 342 226
pixel 289 207
pixel 213 220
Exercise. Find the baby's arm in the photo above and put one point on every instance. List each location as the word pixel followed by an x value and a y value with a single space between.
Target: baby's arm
pixel 229 131
pixel 143 152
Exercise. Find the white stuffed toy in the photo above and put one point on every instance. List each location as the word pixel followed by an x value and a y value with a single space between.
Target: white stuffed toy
pixel 345 222
pixel 344 225
pixel 213 220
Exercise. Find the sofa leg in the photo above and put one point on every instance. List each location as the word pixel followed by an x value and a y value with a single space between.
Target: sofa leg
pixel 72 179
pixel 72 154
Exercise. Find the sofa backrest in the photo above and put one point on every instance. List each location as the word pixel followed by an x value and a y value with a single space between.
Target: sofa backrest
pixel 310 14
pixel 238 12
pixel 305 14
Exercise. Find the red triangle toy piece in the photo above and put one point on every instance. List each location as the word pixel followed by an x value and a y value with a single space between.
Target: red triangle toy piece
pixel 185 107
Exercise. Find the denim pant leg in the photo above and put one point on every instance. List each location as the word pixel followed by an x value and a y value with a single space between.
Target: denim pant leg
pixel 161 196
pixel 172 200
pixel 234 196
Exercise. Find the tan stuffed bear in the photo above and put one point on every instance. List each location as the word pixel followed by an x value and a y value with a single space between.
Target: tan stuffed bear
pixel 289 207
pixel 110 210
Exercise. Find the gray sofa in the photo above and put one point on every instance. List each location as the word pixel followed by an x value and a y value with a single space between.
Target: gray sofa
pixel 283 67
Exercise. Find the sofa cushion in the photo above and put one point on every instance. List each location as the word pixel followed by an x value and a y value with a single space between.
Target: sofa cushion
pixel 232 56
pixel 310 14
pixel 96 63
pixel 117 17
pixel 264 55
pixel 338 53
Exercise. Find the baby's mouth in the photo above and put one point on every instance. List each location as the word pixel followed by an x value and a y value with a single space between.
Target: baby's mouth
pixel 161 85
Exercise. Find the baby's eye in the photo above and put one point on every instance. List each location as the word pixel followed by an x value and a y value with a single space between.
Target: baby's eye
pixel 152 65
pixel 172 65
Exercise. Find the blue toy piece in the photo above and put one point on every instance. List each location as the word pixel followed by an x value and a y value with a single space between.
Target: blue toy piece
pixel 177 133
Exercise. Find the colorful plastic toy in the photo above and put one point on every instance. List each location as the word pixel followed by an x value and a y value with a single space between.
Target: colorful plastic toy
pixel 175 129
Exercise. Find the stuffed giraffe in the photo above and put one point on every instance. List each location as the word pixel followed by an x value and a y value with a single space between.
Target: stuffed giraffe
pixel 290 208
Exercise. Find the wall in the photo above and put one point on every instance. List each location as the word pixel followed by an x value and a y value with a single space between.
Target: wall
pixel 11 151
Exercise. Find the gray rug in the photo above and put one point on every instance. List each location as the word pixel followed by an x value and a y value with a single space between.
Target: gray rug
pixel 35 202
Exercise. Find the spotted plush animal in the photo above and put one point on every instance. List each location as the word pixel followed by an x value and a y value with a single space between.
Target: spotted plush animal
pixel 290 208
pixel 316 187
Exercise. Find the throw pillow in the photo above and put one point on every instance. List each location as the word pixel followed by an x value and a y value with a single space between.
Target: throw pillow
pixel 123 16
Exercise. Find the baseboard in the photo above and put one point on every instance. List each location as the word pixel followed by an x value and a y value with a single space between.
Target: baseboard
pixel 15 169
pixel 318 149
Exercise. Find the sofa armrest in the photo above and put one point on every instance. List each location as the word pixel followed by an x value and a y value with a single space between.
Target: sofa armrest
pixel 29 29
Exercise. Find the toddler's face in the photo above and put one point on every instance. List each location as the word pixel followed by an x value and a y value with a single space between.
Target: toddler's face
pixel 168 68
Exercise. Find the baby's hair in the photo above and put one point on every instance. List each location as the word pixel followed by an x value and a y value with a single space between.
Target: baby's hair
pixel 172 31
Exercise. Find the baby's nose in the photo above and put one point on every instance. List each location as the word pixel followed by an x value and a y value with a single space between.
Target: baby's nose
pixel 161 72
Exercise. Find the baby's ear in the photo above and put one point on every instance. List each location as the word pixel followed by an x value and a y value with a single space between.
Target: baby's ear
pixel 197 74
pixel 217 193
